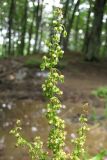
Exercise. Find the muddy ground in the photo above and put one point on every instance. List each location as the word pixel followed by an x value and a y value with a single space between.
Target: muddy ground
pixel 21 96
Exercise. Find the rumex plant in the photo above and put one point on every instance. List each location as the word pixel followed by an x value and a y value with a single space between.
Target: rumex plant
pixel 57 134
pixel 51 90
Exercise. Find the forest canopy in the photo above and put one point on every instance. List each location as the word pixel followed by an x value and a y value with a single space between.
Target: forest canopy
pixel 25 26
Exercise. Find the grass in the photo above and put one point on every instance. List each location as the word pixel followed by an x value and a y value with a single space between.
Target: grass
pixel 94 115
pixel 100 92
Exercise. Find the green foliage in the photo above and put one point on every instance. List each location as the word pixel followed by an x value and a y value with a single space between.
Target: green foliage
pixel 100 92
pixel 100 156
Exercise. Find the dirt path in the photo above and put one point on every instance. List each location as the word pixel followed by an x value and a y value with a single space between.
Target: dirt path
pixel 18 81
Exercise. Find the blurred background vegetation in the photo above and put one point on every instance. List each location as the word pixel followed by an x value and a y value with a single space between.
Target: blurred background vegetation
pixel 25 26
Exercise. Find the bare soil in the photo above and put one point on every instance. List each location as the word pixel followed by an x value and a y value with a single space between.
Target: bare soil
pixel 20 83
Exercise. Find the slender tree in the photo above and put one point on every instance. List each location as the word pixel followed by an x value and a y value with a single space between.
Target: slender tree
pixel 38 23
pixel 41 27
pixel 77 30
pixel 24 26
pixel 66 7
pixel 71 20
pixel 86 37
pixel 65 14
pixel 105 46
pixel 94 40
pixel 31 29
pixel 10 23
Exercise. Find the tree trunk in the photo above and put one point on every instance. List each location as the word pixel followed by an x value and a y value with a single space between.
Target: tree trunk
pixel 71 20
pixel 66 11
pixel 31 30
pixel 41 28
pixel 38 22
pixel 95 34
pixel 65 8
pixel 105 46
pixel 10 22
pixel 86 39
pixel 24 26
pixel 77 30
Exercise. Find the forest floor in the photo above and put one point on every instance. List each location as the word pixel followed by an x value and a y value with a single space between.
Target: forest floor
pixel 21 79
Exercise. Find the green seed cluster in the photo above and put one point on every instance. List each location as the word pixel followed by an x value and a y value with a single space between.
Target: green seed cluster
pixel 57 134
pixel 34 148
pixel 50 86
pixel 55 51
pixel 79 142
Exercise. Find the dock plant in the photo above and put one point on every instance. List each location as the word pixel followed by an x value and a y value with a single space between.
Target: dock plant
pixel 57 134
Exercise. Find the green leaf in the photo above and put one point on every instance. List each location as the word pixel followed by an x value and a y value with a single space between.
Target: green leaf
pixel 100 156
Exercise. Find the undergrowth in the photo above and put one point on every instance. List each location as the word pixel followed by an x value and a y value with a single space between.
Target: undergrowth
pixel 101 92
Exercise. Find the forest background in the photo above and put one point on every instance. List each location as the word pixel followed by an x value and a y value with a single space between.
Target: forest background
pixel 25 26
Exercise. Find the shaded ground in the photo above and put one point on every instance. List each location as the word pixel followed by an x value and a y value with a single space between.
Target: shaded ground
pixel 21 98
